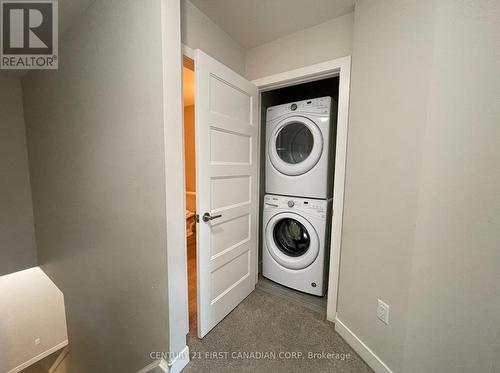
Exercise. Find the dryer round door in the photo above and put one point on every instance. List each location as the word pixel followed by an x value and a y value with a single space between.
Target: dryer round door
pixel 291 240
pixel 295 146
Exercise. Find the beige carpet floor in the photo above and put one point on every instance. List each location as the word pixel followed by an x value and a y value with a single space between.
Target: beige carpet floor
pixel 261 334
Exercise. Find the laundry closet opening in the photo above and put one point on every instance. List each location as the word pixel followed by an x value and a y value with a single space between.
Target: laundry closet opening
pixel 260 169
pixel 297 158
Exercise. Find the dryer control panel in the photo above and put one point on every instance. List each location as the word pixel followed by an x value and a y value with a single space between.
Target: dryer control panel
pixel 317 106
pixel 316 207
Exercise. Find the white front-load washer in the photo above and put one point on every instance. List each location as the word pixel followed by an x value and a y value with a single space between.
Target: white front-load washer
pixel 295 246
pixel 300 148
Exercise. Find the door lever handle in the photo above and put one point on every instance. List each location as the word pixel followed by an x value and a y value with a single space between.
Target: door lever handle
pixel 207 217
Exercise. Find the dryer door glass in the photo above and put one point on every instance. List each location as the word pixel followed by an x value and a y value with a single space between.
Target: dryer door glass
pixel 294 142
pixel 291 237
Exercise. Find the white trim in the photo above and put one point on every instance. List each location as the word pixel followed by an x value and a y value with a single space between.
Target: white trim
pixel 179 362
pixel 176 365
pixel 340 67
pixel 155 364
pixel 339 188
pixel 361 348
pixel 303 74
pixel 38 357
pixel 258 228
pixel 58 361
pixel 175 209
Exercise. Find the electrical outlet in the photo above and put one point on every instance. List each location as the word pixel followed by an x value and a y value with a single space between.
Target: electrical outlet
pixel 383 311
pixel 37 341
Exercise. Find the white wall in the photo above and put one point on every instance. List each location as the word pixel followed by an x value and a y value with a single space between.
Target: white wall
pixel 31 307
pixel 17 235
pixel 199 31
pixel 326 41
pixel 454 306
pixel 96 147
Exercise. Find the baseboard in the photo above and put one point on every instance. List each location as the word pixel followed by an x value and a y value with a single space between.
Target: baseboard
pixel 156 366
pixel 361 348
pixel 59 360
pixel 175 366
pixel 179 362
pixel 39 357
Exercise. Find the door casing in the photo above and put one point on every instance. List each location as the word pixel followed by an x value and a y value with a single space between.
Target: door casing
pixel 340 67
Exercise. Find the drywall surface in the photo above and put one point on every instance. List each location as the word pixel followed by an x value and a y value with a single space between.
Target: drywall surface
pixel 32 311
pixel 388 107
pixel 200 32
pixel 97 160
pixel 323 42
pixel 421 217
pixel 17 235
pixel 454 307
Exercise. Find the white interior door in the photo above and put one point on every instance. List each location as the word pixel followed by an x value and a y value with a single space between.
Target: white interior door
pixel 226 120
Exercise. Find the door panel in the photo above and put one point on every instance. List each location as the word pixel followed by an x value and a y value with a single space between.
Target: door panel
pixel 229 147
pixel 226 109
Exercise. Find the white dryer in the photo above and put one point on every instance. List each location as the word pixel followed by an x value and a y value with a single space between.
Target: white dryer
pixel 300 149
pixel 295 246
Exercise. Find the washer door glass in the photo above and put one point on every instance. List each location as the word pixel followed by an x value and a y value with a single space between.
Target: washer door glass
pixel 291 237
pixel 294 142
pixel 291 240
pixel 295 145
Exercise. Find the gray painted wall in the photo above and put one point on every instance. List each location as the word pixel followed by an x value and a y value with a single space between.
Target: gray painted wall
pixel 326 41
pixel 390 70
pixel 421 216
pixel 454 304
pixel 17 235
pixel 97 159
pixel 199 31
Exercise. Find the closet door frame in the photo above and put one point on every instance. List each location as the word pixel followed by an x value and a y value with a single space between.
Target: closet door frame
pixel 340 67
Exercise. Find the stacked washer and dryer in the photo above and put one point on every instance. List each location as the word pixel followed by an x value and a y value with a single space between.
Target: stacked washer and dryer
pixel 297 205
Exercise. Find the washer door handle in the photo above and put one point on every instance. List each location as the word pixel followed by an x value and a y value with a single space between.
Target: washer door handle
pixel 207 217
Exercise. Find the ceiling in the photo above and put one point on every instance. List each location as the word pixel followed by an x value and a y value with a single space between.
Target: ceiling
pixel 254 22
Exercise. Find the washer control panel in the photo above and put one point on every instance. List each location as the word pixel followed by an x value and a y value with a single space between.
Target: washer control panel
pixel 317 207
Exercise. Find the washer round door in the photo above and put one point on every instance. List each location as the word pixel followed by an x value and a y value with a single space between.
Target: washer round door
pixel 295 146
pixel 291 240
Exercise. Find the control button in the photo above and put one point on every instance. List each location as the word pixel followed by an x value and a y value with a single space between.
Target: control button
pixel 291 203
pixel 293 107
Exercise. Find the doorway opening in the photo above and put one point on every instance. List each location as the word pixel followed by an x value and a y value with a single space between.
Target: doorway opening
pixel 307 93
pixel 225 180
pixel 190 189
